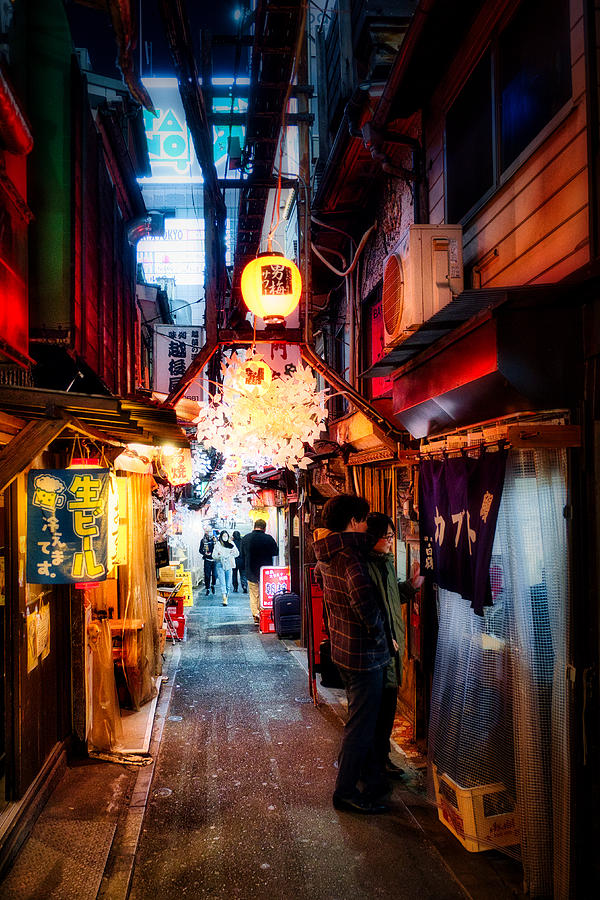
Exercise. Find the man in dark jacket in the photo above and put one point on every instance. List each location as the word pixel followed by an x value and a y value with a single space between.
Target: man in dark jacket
pixel 360 646
pixel 207 546
pixel 258 549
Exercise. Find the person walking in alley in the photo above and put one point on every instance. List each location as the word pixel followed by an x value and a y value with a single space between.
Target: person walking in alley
pixel 224 554
pixel 361 646
pixel 258 550
pixel 238 575
pixel 207 546
pixel 392 595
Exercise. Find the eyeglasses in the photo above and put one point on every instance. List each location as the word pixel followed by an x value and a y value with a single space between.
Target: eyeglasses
pixel 389 536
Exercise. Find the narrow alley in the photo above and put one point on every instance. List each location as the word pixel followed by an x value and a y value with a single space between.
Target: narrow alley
pixel 240 804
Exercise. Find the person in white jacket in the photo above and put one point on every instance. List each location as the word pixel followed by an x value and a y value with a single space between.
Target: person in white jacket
pixel 224 555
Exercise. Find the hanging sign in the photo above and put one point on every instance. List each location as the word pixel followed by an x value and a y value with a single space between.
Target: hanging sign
pixel 67 525
pixel 177 465
pixel 458 507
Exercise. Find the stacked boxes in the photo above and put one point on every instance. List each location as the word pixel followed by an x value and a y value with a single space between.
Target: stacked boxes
pixel 186 588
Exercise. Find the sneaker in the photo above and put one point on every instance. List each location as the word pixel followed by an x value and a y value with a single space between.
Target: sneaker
pixel 207 592
pixel 224 601
pixel 213 588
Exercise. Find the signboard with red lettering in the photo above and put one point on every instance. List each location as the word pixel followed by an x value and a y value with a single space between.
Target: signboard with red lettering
pixel 273 580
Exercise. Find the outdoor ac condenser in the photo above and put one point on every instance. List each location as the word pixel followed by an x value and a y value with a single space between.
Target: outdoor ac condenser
pixel 421 276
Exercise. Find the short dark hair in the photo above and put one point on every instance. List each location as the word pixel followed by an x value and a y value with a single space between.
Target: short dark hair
pixel 378 524
pixel 260 523
pixel 338 511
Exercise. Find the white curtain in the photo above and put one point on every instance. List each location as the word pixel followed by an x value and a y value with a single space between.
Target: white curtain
pixel 500 701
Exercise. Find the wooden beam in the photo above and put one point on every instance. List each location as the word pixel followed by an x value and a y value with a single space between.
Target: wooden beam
pixel 194 368
pixel 17 455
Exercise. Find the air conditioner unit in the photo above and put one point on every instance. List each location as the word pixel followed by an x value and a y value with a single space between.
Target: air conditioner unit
pixel 421 276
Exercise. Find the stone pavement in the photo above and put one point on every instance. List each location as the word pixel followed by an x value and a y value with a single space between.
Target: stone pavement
pixel 237 803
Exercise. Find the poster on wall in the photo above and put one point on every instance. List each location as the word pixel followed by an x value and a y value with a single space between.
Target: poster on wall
pixel 67 525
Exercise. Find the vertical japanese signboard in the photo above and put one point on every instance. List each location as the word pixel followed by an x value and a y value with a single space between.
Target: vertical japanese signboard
pixel 174 349
pixel 458 504
pixel 67 525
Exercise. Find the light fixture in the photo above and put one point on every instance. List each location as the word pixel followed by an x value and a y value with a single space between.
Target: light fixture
pixel 271 286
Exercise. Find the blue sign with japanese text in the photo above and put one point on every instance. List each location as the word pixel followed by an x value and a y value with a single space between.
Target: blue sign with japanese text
pixel 459 500
pixel 67 525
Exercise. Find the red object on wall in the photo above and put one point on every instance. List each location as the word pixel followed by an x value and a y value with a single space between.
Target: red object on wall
pixel 316 599
pixel 382 386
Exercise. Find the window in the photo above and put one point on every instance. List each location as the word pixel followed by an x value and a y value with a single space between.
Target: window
pixel 469 143
pixel 519 85
pixel 534 73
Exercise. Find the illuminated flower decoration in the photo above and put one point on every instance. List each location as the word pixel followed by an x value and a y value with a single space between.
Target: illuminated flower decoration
pixel 265 430
pixel 230 497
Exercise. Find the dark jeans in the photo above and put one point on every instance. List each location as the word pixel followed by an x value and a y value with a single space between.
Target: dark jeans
pixel 385 724
pixel 356 759
pixel 210 575
pixel 242 579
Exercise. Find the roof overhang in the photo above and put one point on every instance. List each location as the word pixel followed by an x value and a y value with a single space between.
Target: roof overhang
pixel 113 420
pixel 521 353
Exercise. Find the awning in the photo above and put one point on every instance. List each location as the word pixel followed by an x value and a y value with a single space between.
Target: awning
pixel 31 419
pixel 521 354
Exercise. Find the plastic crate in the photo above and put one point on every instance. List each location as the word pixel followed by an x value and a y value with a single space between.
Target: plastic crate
pixel 266 625
pixel 481 818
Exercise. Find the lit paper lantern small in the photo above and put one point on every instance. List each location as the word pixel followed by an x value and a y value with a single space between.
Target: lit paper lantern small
pixel 253 377
pixel 271 287
pixel 177 465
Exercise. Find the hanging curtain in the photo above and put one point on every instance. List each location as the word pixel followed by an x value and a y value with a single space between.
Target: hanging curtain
pixel 499 726
pixel 141 650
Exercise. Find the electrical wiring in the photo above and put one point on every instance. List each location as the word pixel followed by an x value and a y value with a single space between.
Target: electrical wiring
pixel 352 265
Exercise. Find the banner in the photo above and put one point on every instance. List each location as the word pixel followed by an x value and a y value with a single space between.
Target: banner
pixel 67 525
pixel 458 507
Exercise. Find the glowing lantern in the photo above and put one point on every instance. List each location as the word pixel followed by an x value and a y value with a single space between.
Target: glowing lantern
pixel 271 287
pixel 177 465
pixel 253 377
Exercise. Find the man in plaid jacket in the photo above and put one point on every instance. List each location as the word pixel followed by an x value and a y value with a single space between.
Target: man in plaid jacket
pixel 360 646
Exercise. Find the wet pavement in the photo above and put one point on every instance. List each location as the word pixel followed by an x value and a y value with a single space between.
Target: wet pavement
pixel 240 805
pixel 237 800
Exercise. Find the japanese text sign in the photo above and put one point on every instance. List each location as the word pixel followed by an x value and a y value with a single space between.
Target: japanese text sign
pixel 276 279
pixel 174 350
pixel 273 580
pixel 458 507
pixel 67 525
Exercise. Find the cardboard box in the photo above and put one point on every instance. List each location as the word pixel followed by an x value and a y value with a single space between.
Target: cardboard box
pixel 481 817
pixel 167 575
